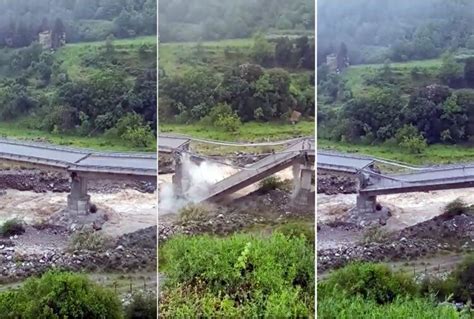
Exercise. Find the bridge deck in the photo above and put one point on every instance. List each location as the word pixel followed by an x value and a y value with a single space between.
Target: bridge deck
pixel 259 170
pixel 169 143
pixel 433 179
pixel 79 160
pixel 342 162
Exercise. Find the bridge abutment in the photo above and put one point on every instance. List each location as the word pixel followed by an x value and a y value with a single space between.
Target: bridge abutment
pixel 78 201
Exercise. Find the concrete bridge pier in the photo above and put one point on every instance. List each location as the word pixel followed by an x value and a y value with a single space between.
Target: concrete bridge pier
pixel 178 175
pixel 78 201
pixel 366 204
pixel 302 174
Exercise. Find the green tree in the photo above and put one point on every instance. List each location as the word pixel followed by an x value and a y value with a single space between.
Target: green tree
pixel 342 57
pixel 283 51
pixel 262 50
pixel 450 72
pixel 469 70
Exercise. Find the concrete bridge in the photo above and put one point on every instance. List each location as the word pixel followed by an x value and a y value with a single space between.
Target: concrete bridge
pixel 82 165
pixel 300 153
pixel 372 183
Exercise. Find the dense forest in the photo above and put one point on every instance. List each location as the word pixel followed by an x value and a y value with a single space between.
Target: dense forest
pixel 376 30
pixel 405 100
pixel 199 20
pixel 81 20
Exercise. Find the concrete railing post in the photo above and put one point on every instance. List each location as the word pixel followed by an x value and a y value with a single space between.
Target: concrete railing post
pixel 78 201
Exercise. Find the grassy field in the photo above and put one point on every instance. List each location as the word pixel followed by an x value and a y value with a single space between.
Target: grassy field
pixel 251 132
pixel 434 154
pixel 15 130
pixel 178 57
pixel 356 74
pixel 72 55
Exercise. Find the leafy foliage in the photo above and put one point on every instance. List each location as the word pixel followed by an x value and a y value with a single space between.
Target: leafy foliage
pixel 12 227
pixel 271 277
pixel 142 306
pixel 88 239
pixel 59 295
pixel 374 282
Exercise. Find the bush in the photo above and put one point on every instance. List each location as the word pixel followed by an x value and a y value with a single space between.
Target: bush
pixel 133 129
pixel 456 207
pixel 462 278
pixel 458 286
pixel 375 282
pixel 241 276
pixel 60 295
pixel 271 183
pixel 12 227
pixel 140 136
pixel 294 229
pixel 365 290
pixel 374 234
pixel 88 239
pixel 229 122
pixel 197 211
pixel 142 306
pixel 338 305
pixel 410 139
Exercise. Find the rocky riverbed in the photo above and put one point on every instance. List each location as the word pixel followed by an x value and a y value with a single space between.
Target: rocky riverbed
pixel 42 181
pixel 331 183
pixel 442 233
pixel 128 253
pixel 253 210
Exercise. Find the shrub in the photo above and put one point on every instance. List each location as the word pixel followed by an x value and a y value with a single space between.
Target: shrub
pixel 88 239
pixel 140 136
pixel 294 229
pixel 12 227
pixel 415 144
pixel 462 281
pixel 339 305
pixel 458 286
pixel 241 276
pixel 197 211
pixel 375 282
pixel 409 138
pixel 142 306
pixel 456 207
pixel 133 129
pixel 60 295
pixel 374 234
pixel 271 183
pixel 229 122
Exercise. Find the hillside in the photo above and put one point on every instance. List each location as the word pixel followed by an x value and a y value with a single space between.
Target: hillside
pixel 422 109
pixel 76 20
pixel 228 83
pixel 96 94
pixel 405 30
pixel 207 20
